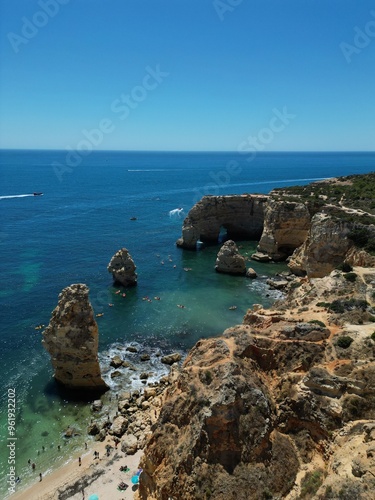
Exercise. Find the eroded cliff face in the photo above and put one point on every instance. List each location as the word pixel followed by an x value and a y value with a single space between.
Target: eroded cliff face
pixel 316 240
pixel 286 226
pixel 216 433
pixel 275 406
pixel 325 247
pixel 71 339
pixel 241 215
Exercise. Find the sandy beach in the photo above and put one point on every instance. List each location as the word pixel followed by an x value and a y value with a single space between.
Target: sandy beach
pixel 100 476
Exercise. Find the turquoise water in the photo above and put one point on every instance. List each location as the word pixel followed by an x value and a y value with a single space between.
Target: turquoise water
pixel 69 234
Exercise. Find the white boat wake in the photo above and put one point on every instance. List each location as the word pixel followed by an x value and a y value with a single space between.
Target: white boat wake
pixel 16 196
pixel 177 212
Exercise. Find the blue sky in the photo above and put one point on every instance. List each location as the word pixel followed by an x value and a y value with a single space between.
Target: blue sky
pixel 222 69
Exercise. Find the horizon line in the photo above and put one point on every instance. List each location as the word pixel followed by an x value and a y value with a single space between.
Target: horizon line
pixel 196 151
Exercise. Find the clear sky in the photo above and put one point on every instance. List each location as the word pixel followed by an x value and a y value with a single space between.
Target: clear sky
pixel 188 74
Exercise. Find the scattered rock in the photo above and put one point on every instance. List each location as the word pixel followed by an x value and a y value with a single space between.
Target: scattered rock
pixel 129 444
pixel 115 374
pixel 131 348
pixel 250 273
pixel 261 257
pixel 93 429
pixel 171 358
pixel 97 405
pixel 116 361
pixel 144 376
pixel 144 357
pixel 119 426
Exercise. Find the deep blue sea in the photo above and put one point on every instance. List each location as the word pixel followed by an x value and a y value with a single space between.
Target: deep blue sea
pixel 69 234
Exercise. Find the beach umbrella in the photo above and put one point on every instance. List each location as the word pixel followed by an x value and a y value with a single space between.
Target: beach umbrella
pixel 94 497
pixel 135 479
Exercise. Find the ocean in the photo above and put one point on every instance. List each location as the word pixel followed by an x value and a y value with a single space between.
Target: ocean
pixel 69 234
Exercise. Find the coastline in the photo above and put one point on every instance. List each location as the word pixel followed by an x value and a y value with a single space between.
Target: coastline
pixel 101 476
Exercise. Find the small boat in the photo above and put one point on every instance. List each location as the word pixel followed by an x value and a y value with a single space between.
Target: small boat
pixel 38 194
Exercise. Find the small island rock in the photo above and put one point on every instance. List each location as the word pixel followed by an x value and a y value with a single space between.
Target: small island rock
pixel 229 260
pixel 123 268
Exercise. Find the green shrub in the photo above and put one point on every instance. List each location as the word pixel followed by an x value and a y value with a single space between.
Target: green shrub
pixel 350 277
pixel 311 483
pixel 372 336
pixel 340 306
pixel 323 304
pixel 344 341
pixel 208 376
pixel 318 322
pixel 345 267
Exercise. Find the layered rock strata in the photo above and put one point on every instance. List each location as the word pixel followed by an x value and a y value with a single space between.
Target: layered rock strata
pixel 324 248
pixel 229 260
pixel 275 406
pixel 123 268
pixel 240 215
pixel 286 226
pixel 71 339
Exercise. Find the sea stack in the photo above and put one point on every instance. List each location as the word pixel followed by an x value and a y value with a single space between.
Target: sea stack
pixel 123 268
pixel 71 339
pixel 229 260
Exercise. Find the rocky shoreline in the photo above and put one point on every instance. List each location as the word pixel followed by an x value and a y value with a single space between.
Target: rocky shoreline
pixel 282 405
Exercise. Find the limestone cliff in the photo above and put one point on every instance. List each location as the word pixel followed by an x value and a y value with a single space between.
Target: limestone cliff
pixel 317 226
pixel 282 406
pixel 286 226
pixel 123 268
pixel 71 339
pixel 229 260
pixel 325 247
pixel 240 215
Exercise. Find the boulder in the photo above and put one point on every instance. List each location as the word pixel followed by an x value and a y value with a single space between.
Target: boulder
pixel 131 348
pixel 261 257
pixel 129 444
pixel 229 260
pixel 119 426
pixel 116 361
pixel 171 358
pixel 97 405
pixel 250 273
pixel 123 268
pixel 71 339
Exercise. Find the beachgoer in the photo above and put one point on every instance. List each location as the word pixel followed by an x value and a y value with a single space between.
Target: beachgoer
pixel 79 461
pixel 85 446
pixel 33 466
pixel 43 448
pixel 58 447
pixel 40 476
pixel 29 461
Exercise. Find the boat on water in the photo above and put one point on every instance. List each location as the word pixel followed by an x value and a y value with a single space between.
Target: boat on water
pixel 38 194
